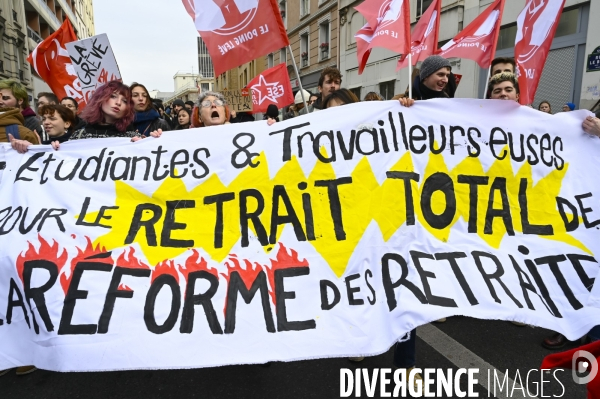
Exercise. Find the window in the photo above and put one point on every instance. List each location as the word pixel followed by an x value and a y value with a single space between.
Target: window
pixel 506 37
pixel 283 11
pixel 356 22
pixel 386 89
pixel 304 49
pixel 356 91
pixel 567 25
pixel 422 6
pixel 270 60
pixel 304 8
pixel 283 56
pixel 324 42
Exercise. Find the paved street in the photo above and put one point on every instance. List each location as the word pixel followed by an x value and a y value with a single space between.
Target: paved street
pixel 460 342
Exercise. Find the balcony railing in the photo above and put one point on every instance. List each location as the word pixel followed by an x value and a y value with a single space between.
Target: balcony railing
pixel 33 35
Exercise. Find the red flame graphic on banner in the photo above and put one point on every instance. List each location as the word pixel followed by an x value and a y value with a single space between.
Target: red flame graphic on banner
pixel 165 267
pixel 283 260
pixel 196 263
pixel 45 252
pixel 248 274
pixel 129 260
pixel 98 253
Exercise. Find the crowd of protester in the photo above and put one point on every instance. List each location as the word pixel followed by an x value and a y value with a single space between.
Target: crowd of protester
pixel 118 110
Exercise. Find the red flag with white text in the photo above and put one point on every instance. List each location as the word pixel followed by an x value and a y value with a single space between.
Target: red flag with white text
pixel 536 26
pixel 237 31
pixel 390 21
pixel 363 40
pixel 51 61
pixel 478 41
pixel 271 87
pixel 424 36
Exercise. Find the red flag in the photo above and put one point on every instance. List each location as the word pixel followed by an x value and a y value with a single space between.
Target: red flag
pixel 478 41
pixel 363 40
pixel 51 61
pixel 424 36
pixel 390 20
pixel 237 31
pixel 271 87
pixel 536 26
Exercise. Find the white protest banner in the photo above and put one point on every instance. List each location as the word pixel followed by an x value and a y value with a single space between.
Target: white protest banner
pixel 94 63
pixel 330 234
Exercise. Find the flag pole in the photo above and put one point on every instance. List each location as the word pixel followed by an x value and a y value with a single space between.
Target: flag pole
pixel 298 77
pixel 485 86
pixel 410 75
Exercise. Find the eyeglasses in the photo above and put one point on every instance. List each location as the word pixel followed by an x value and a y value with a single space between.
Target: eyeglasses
pixel 208 103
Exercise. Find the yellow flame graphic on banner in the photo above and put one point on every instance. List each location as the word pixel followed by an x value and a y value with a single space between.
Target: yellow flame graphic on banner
pixel 362 201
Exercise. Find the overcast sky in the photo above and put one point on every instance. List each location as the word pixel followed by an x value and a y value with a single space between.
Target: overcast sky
pixel 151 39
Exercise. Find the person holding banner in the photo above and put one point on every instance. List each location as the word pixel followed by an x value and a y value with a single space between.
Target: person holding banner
pixel 433 78
pixel 591 125
pixel 14 95
pixel 58 122
pixel 109 113
pixel 503 86
pixel 147 119
pixel 210 110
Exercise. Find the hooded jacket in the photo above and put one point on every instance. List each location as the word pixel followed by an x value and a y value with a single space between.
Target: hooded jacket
pixel 13 116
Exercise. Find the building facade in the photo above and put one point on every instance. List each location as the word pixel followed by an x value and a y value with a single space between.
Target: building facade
pixel 565 78
pixel 312 27
pixel 238 78
pixel 25 23
pixel 205 65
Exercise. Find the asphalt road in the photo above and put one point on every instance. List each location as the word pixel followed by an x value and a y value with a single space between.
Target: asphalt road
pixel 460 342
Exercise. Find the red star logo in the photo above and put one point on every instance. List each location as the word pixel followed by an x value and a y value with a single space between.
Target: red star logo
pixel 266 91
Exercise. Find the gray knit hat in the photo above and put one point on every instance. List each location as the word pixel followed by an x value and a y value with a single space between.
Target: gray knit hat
pixel 432 64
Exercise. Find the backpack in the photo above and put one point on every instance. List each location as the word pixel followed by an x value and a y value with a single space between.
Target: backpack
pixel 14 130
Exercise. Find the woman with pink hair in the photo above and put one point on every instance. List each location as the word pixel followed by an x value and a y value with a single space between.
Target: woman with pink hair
pixel 109 113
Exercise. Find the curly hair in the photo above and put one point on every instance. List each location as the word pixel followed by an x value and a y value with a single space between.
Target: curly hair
pixel 332 72
pixel 65 113
pixel 93 114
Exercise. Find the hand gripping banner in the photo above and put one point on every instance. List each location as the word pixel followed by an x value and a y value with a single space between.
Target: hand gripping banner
pixel 332 234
